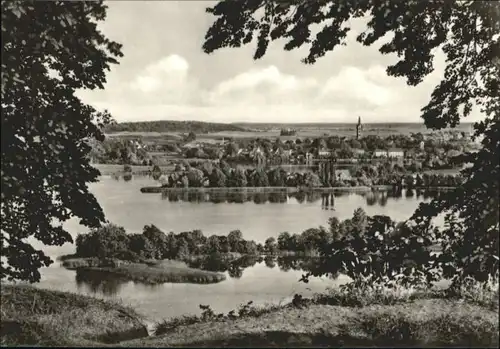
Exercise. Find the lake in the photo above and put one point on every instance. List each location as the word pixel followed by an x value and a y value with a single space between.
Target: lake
pixel 258 216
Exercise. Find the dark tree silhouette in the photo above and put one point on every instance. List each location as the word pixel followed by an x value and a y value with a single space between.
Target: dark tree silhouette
pixel 468 34
pixel 49 50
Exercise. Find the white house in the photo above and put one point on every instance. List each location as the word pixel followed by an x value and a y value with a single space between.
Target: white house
pixel 395 153
pixel 379 153
pixel 324 152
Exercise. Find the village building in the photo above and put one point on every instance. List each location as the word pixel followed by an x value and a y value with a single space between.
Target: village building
pixel 137 144
pixel 243 152
pixel 395 153
pixel 324 153
pixel 192 145
pixel 256 151
pixel 380 153
pixel 358 152
pixel 359 128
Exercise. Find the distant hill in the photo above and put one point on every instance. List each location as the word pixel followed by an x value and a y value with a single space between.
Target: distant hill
pixel 172 126
pixel 402 127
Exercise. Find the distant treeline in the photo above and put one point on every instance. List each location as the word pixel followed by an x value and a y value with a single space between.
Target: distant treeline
pixel 113 242
pixel 171 126
pixel 223 175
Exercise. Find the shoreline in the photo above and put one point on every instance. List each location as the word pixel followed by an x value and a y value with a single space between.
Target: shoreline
pixel 152 273
pixel 157 189
pixel 115 169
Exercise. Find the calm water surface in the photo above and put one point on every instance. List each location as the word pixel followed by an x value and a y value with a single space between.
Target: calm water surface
pixel 125 205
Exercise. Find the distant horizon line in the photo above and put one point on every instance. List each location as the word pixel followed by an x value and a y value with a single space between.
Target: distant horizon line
pixel 284 123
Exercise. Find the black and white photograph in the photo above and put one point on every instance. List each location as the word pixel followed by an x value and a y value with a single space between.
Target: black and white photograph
pixel 250 173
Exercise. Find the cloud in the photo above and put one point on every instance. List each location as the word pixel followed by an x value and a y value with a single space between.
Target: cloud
pixel 164 74
pixel 264 86
pixel 166 89
pixel 166 81
pixel 355 86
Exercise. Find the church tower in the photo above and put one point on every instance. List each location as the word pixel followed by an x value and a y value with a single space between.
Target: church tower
pixel 359 127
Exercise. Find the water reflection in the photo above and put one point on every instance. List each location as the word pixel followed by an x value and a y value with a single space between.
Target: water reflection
pixel 108 284
pixel 99 282
pixel 270 262
pixel 233 266
pixel 327 201
pixel 372 198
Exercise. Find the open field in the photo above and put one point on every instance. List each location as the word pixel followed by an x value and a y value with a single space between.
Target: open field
pixel 445 171
pixel 368 128
pixel 171 126
pixel 316 130
pixel 272 131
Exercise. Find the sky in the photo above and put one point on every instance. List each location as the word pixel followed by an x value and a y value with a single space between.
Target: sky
pixel 165 75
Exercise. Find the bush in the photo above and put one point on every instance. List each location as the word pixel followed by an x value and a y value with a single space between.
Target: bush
pixel 108 241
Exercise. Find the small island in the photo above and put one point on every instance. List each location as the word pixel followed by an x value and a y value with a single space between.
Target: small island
pixel 154 257
pixel 212 176
pixel 133 257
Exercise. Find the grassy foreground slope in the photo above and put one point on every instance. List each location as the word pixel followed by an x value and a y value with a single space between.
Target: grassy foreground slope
pixel 425 322
pixel 31 316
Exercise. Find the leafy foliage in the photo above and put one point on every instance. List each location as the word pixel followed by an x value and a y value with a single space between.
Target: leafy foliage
pixel 120 151
pixel 238 178
pixel 108 241
pixel 376 250
pixel 49 50
pixel 112 242
pixel 470 239
pixel 468 34
pixel 217 178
